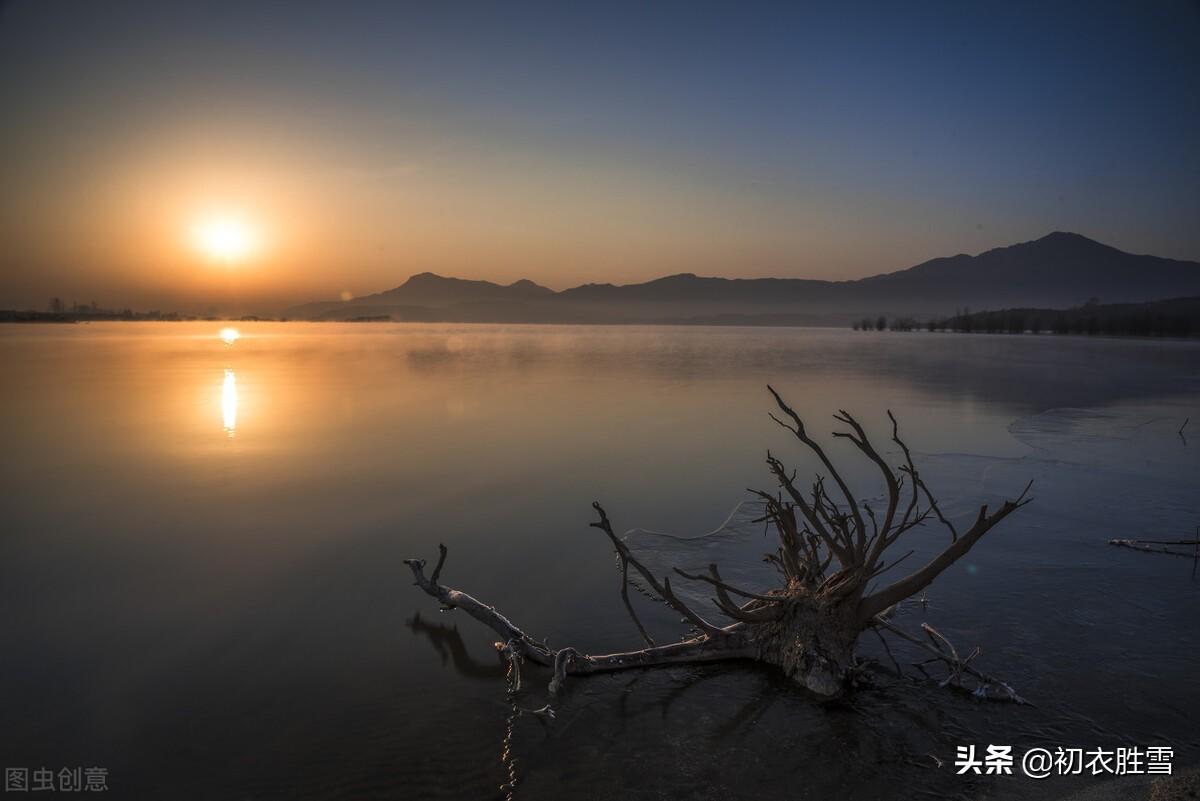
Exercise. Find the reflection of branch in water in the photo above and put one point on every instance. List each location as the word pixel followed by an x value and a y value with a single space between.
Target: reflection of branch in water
pixel 448 642
pixel 512 686
pixel 512 683
pixel 748 714
pixel 681 683
pixel 1181 436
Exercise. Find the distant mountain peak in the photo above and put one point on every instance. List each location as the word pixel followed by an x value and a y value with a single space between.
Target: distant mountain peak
pixel 428 278
pixel 430 289
pixel 1068 239
pixel 1066 235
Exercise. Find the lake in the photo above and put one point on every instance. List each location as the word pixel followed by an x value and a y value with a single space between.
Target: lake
pixel 202 578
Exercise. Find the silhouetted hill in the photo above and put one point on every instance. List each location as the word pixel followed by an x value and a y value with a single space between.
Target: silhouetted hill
pixel 434 290
pixel 1061 269
pixel 422 293
pixel 1057 270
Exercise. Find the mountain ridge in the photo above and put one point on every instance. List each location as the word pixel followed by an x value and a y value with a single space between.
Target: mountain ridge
pixel 1059 269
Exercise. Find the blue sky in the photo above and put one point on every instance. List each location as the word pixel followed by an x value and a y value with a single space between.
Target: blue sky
pixel 566 142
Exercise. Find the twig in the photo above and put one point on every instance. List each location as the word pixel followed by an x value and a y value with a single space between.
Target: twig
pixel 437 570
pixel 1164 542
pixel 1137 545
pixel 956 666
pixel 662 589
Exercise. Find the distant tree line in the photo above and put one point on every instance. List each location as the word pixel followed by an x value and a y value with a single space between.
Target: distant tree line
pixel 882 323
pixel 1178 317
pixel 57 311
pixel 33 316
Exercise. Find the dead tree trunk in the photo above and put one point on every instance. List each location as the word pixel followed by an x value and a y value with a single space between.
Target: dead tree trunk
pixel 831 547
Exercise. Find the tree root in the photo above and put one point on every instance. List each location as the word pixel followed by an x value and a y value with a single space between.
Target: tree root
pixel 830 551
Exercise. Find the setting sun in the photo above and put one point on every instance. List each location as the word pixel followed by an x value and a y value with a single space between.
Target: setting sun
pixel 225 239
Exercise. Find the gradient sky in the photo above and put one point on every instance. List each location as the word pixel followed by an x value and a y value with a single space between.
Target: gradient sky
pixel 369 141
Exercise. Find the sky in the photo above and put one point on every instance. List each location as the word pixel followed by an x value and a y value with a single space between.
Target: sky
pixel 354 144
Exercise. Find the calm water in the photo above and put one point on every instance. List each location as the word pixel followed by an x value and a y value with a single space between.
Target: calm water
pixel 201 559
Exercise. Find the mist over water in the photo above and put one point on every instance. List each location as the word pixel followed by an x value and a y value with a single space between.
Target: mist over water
pixel 201 561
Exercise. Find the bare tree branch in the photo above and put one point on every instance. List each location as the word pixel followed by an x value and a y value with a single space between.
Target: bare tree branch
pixel 801 435
pixel 569 661
pixel 756 611
pixel 629 606
pixel 889 477
pixel 663 589
pixel 437 570
pixel 1004 691
pixel 487 615
pixel 914 583
pixel 716 581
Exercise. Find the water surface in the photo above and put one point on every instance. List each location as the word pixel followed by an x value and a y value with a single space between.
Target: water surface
pixel 203 590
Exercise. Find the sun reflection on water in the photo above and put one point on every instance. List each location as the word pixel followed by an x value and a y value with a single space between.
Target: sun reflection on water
pixel 229 402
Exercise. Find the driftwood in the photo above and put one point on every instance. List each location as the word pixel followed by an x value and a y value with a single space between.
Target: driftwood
pixel 831 548
pixel 1149 546
pixel 1163 546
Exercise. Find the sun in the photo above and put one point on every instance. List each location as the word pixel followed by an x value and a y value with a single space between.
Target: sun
pixel 225 239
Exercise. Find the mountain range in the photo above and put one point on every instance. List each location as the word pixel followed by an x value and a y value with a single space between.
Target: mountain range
pixel 1058 270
